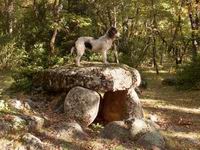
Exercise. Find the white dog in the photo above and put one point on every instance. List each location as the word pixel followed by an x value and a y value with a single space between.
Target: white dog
pixel 102 44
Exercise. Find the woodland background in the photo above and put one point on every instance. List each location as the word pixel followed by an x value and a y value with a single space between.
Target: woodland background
pixel 163 34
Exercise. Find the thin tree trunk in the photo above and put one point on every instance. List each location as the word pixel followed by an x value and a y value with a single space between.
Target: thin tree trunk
pixel 144 52
pixel 177 27
pixel 154 47
pixel 195 23
pixel 56 12
pixel 9 15
pixel 53 39
pixel 154 55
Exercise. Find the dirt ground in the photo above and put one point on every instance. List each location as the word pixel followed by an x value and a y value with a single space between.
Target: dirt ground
pixel 178 112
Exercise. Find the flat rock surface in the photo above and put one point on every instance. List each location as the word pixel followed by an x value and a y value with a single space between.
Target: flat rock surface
pixel 95 76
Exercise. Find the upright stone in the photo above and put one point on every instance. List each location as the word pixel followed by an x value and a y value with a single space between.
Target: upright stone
pixel 82 105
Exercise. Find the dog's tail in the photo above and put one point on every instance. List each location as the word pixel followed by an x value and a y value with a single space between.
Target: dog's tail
pixel 72 50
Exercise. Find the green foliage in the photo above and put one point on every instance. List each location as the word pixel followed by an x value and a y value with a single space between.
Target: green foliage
pixel 97 127
pixel 10 55
pixel 188 77
pixel 133 51
pixel 34 61
pixel 161 24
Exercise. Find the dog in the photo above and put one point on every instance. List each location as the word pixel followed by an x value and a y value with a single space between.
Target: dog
pixel 102 44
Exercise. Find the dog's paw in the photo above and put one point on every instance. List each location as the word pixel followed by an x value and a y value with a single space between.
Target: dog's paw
pixel 78 65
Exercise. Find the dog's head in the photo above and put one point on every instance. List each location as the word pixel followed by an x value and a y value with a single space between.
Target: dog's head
pixel 113 33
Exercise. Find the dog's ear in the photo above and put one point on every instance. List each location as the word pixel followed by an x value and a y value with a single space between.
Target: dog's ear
pixel 111 32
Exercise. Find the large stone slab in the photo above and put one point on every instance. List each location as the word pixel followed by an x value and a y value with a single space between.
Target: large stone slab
pixel 98 77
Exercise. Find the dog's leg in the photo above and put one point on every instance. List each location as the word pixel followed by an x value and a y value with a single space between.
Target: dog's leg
pixel 116 53
pixel 78 59
pixel 80 51
pixel 105 57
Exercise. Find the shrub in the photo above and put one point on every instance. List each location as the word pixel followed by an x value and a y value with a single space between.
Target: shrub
pixel 10 55
pixel 36 59
pixel 188 77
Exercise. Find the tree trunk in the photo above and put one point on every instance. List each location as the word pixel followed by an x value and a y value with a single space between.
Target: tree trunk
pixel 9 4
pixel 177 27
pixel 195 23
pixel 154 28
pixel 56 12
pixel 154 55
pixel 53 39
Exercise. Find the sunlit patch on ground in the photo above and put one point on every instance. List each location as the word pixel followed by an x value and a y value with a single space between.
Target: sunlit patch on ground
pixel 178 112
pixel 163 105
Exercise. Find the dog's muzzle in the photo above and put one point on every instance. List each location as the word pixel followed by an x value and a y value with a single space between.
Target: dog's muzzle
pixel 117 34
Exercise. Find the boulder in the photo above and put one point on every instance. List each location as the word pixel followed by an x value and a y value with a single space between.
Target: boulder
pixel 116 130
pixel 67 130
pixel 32 142
pixel 138 127
pixel 152 140
pixel 16 104
pixel 82 105
pixel 36 122
pixel 10 123
pixel 3 105
pixel 98 77
pixel 141 131
pixel 18 123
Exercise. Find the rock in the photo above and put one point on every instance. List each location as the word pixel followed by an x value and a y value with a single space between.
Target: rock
pixel 32 142
pixel 69 130
pixel 121 105
pixel 8 144
pixel 18 123
pixel 116 130
pixel 36 123
pixel 5 127
pixel 3 105
pixel 98 77
pixel 153 118
pixel 10 123
pixel 16 104
pixel 151 140
pixel 133 105
pixel 138 127
pixel 82 105
pixel 136 130
pixel 170 81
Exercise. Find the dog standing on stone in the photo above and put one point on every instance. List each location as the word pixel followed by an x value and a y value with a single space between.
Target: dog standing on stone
pixel 102 44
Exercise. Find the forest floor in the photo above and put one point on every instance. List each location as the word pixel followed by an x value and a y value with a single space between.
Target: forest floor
pixel 178 113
